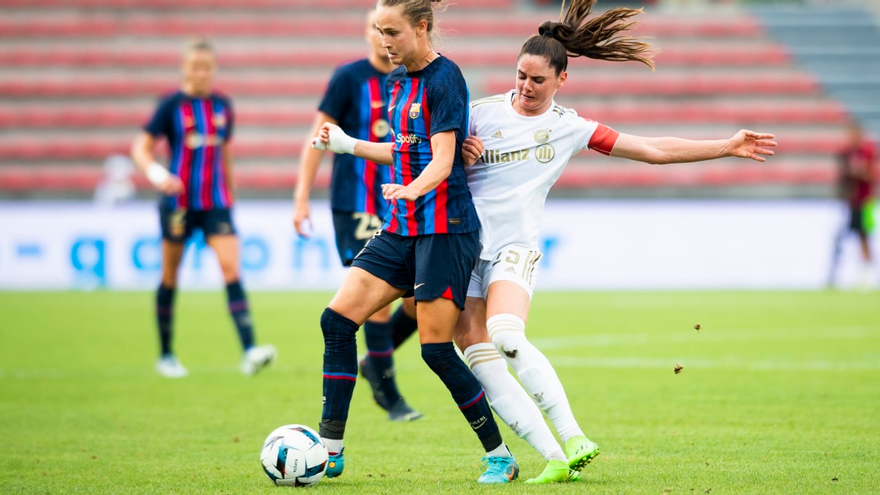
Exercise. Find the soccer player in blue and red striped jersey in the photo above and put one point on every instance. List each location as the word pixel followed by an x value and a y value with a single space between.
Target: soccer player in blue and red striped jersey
pixel 196 194
pixel 430 238
pixel 355 100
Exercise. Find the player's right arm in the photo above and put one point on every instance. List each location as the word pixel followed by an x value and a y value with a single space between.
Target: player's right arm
pixel 331 137
pixel 309 162
pixel 159 176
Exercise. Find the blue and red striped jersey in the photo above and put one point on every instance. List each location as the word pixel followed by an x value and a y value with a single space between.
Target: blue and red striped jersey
pixel 421 104
pixel 355 98
pixel 196 129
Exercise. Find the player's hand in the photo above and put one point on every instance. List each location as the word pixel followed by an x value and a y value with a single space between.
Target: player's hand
pixel 171 186
pixel 396 191
pixel 301 219
pixel 471 150
pixel 750 144
pixel 331 137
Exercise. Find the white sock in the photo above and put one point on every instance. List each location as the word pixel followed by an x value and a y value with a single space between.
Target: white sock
pixel 500 451
pixel 333 446
pixel 508 333
pixel 510 402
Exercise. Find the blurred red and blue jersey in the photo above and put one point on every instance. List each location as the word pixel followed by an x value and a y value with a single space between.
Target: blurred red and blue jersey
pixel 421 104
pixel 355 98
pixel 196 129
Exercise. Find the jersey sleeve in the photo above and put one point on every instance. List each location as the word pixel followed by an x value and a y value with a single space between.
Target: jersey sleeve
pixel 338 95
pixel 162 120
pixel 448 103
pixel 230 125
pixel 595 136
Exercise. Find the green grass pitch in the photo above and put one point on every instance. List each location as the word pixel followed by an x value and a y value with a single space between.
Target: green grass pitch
pixel 780 393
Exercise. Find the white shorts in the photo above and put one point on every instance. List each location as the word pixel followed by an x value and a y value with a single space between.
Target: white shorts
pixel 517 264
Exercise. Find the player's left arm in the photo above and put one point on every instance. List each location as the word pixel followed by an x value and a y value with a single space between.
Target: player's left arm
pixel 227 169
pixel 663 150
pixel 443 146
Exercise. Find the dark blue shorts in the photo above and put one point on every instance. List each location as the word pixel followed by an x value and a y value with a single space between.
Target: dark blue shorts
pixel 178 225
pixel 426 266
pixel 353 230
pixel 857 220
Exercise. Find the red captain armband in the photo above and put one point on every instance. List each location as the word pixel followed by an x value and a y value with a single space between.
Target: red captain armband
pixel 603 139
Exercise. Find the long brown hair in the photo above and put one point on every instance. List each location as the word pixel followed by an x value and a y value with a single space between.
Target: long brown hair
pixel 576 36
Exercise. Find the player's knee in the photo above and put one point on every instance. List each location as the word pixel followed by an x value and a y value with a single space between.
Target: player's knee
pixel 438 356
pixel 336 328
pixel 507 332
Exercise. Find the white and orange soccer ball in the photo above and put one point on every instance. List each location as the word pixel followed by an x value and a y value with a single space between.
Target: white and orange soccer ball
pixel 294 455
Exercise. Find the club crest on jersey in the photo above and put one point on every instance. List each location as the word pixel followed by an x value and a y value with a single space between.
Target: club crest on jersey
pixel 219 120
pixel 542 136
pixel 414 110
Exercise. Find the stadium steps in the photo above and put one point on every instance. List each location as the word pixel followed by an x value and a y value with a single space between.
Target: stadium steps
pixel 78 78
pixel 841 46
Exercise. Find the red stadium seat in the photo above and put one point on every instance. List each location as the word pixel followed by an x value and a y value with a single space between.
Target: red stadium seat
pixel 90 57
pixel 650 113
pixel 283 149
pixel 80 177
pixel 680 85
pixel 480 25
pixel 217 4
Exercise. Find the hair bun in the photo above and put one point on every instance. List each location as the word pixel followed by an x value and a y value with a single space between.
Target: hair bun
pixel 549 29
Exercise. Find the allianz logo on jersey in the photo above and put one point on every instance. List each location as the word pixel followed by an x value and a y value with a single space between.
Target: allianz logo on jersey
pixel 543 153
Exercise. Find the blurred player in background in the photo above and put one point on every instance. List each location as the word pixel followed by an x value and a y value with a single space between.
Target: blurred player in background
pixel 429 240
pixel 197 193
pixel 355 100
pixel 856 187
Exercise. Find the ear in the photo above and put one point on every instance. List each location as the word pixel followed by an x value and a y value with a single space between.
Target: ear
pixel 562 78
pixel 422 26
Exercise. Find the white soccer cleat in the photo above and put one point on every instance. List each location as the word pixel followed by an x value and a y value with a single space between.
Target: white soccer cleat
pixel 169 367
pixel 257 358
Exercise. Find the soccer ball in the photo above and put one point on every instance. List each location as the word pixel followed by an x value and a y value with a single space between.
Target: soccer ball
pixel 294 455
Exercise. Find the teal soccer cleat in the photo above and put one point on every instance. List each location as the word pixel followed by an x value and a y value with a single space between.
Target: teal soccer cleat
pixel 499 470
pixel 335 465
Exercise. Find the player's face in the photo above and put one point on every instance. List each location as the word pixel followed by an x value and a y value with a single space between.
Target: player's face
pixel 536 84
pixel 398 37
pixel 198 71
pixel 374 39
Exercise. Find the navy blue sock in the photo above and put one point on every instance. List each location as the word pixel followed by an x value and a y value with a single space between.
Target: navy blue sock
pixel 164 312
pixel 241 315
pixel 402 326
pixel 379 353
pixel 340 372
pixel 466 391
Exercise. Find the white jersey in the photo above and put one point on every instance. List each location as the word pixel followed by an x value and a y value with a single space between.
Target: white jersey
pixel 523 157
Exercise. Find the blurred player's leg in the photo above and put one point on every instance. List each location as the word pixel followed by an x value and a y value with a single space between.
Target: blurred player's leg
pixel 227 251
pixel 403 322
pixel 378 368
pixel 168 365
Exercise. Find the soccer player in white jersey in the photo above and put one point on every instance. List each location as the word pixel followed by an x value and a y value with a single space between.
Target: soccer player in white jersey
pixel 520 142
pixel 518 147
